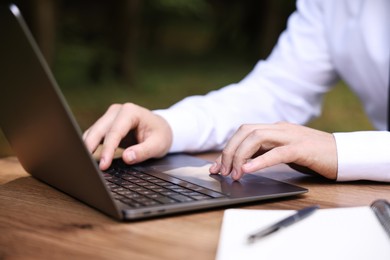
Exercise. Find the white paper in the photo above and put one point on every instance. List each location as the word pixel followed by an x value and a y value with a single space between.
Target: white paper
pixel 340 233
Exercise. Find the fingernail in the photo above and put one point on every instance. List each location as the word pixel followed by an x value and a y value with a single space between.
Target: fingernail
pixel 130 156
pixel 234 174
pixel 213 167
pixel 102 162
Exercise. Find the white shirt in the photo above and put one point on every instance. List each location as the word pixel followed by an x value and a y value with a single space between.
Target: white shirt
pixel 324 41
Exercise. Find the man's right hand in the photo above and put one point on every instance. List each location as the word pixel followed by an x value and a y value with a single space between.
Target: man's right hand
pixel 153 135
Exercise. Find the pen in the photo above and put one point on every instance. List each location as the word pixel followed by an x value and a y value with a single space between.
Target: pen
pixel 299 215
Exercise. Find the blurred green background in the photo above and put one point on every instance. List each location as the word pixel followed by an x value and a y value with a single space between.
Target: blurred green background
pixel 155 52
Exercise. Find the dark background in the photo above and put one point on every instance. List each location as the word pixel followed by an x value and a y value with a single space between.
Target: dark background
pixel 155 52
pixel 116 35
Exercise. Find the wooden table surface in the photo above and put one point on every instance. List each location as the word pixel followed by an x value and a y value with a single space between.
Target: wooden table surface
pixel 39 222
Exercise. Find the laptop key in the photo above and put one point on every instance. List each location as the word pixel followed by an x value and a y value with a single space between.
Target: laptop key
pixel 201 197
pixel 138 189
pixel 181 198
pixel 133 196
pixel 151 203
pixel 168 193
pixel 165 200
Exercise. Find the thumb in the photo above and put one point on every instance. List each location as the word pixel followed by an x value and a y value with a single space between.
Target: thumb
pixel 144 151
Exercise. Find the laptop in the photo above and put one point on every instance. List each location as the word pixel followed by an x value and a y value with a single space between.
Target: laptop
pixel 44 135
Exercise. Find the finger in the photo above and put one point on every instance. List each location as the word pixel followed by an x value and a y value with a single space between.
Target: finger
pixel 119 128
pixel 278 155
pixel 231 147
pixel 141 151
pixel 85 134
pixel 91 141
pixel 90 144
pixel 249 147
pixel 94 135
pixel 256 143
pixel 144 150
pixel 215 168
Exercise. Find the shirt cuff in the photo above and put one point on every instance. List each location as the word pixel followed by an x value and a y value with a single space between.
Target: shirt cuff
pixel 177 140
pixel 363 155
pixel 185 131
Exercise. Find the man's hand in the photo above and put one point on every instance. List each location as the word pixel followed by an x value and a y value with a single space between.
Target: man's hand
pixel 254 147
pixel 152 134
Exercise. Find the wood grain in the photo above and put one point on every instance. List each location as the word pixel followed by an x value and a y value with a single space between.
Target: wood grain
pixel 39 222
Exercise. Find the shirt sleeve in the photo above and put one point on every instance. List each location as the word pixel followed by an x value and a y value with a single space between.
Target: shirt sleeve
pixel 288 86
pixel 363 155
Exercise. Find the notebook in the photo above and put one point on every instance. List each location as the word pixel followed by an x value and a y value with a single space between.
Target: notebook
pixel 338 233
pixel 44 135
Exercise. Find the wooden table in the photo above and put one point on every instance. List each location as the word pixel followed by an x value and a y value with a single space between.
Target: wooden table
pixel 38 222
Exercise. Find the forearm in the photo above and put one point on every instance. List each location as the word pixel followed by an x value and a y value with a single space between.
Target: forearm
pixel 288 86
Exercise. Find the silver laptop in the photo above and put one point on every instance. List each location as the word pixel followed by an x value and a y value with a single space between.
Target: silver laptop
pixel 43 133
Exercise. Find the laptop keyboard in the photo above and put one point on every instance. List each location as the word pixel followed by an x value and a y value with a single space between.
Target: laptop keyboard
pixel 138 189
